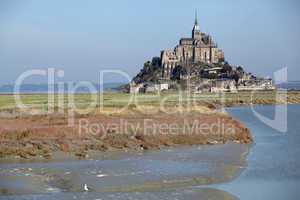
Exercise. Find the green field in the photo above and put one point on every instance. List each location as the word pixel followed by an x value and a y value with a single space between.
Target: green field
pixel 117 100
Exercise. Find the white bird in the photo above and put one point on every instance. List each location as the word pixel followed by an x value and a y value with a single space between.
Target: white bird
pixel 85 187
pixel 101 175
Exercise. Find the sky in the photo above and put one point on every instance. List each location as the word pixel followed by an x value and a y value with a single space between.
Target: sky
pixel 84 37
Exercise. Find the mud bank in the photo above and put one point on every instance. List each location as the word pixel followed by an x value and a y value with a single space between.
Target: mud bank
pixel 45 136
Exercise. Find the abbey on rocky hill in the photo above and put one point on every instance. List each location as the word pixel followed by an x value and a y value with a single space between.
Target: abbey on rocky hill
pixel 198 64
pixel 199 48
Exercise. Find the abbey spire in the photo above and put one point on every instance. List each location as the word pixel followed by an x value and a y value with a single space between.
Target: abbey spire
pixel 196 26
pixel 196 34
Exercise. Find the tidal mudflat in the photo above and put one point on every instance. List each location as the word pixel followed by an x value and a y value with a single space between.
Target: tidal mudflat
pixel 152 174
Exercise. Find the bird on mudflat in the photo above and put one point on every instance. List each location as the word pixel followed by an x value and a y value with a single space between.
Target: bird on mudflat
pixel 85 187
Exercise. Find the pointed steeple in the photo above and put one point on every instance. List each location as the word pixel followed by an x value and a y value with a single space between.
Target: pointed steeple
pixel 196 18
pixel 196 26
pixel 196 34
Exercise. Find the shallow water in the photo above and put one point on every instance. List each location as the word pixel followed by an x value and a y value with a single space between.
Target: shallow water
pixel 273 170
pixel 158 174
pixel 207 172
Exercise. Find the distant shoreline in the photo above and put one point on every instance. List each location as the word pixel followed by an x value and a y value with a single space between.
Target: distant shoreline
pixel 113 91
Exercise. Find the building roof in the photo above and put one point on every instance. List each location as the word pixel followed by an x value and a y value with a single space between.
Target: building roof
pixel 187 39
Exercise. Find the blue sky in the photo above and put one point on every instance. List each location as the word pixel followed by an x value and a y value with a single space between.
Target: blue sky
pixel 83 37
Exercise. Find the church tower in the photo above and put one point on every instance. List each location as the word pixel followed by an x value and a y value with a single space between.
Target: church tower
pixel 196 34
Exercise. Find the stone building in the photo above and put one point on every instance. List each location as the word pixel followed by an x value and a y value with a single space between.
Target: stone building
pixel 216 85
pixel 135 88
pixel 199 48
